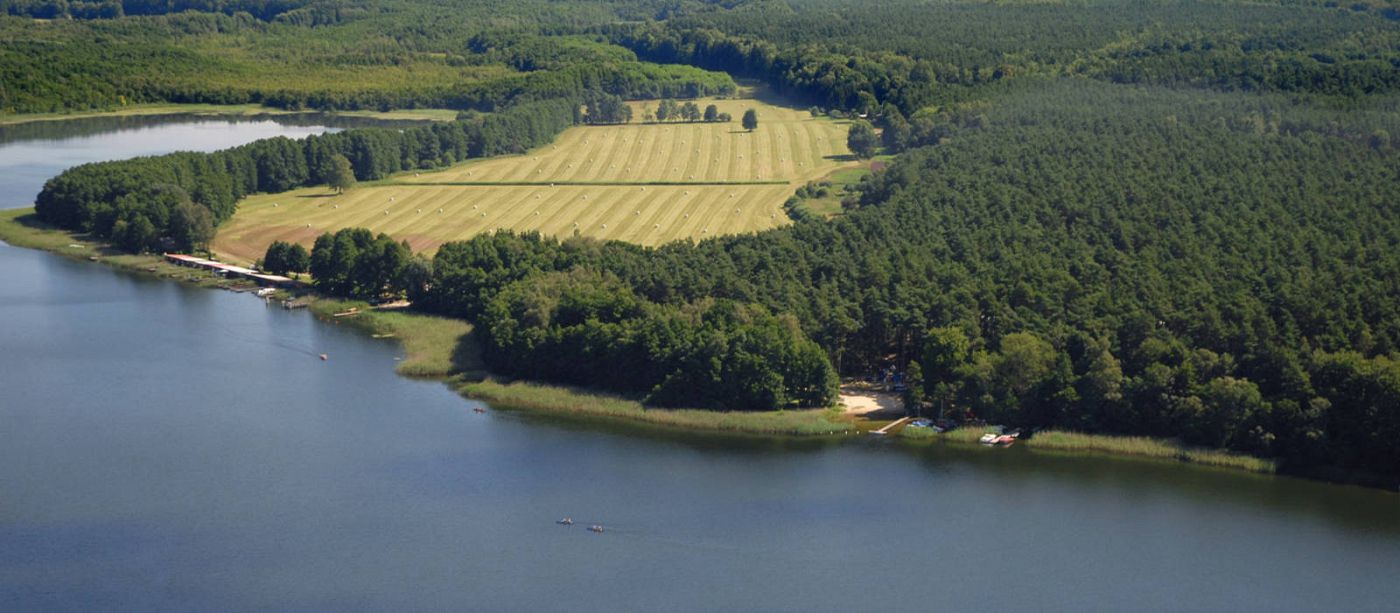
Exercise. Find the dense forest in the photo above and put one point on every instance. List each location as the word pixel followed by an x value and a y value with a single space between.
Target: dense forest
pixel 1171 218
pixel 1324 48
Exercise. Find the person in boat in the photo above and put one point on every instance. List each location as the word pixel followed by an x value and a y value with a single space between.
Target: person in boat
pixel 567 521
pixel 596 528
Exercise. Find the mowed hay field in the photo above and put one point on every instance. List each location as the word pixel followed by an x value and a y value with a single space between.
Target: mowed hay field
pixel 643 183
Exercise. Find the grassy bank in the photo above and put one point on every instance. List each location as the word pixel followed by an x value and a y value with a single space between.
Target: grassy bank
pixel 571 401
pixel 433 346
pixel 1128 446
pixel 22 228
pixel 232 110
pixel 1141 446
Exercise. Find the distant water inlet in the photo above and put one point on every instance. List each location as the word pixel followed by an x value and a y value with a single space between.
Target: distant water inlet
pixel 32 153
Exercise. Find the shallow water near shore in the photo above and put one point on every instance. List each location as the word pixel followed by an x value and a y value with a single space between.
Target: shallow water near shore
pixel 164 447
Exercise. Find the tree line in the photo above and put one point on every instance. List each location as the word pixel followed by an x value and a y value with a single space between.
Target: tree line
pixel 688 111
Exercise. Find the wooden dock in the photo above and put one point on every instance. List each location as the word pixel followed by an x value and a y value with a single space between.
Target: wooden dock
pixel 890 426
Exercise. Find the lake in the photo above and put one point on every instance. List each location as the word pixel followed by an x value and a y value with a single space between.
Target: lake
pixel 164 447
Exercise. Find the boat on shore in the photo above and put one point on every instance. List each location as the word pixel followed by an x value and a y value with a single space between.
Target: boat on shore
pixel 996 439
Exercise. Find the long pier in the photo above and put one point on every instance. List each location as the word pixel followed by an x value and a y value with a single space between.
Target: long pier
pixel 231 270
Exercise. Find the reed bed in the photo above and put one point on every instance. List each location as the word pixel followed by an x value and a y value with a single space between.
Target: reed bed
pixel 566 400
pixel 433 346
pixel 1060 440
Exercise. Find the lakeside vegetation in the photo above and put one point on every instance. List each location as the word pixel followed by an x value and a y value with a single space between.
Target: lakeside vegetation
pixel 23 228
pixel 1064 441
pixel 434 347
pixel 573 401
pixel 1139 446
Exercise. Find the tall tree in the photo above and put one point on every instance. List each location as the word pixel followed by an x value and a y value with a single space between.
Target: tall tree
pixel 898 133
pixel 947 355
pixel 342 176
pixel 690 111
pixel 862 140
pixel 191 227
pixel 750 120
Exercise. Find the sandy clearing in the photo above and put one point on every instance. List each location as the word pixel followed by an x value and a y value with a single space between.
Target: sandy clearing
pixel 864 402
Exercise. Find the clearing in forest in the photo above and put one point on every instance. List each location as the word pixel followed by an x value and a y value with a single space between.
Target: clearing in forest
pixel 646 183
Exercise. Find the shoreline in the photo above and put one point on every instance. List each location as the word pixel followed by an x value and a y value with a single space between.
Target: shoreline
pixel 224 110
pixel 1107 445
pixel 443 349
pixel 546 398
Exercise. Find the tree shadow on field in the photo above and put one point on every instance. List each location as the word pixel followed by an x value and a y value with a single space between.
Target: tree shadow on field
pixel 32 221
pixel 762 92
pixel 330 195
pixel 845 157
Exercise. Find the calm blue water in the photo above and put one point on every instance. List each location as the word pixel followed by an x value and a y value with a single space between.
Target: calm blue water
pixel 170 448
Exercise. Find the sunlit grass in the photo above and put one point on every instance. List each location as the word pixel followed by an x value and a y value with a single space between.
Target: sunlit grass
pixel 1081 443
pixel 565 400
pixel 433 346
pixel 22 228
pixel 1058 440
pixel 648 184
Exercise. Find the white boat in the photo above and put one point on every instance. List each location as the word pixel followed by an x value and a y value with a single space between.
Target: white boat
pixel 266 291
pixel 988 438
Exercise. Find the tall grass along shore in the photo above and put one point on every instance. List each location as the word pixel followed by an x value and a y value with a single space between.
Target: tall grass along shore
pixel 572 401
pixel 434 347
pixel 1133 446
